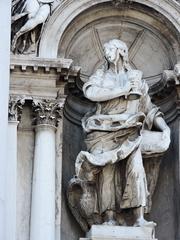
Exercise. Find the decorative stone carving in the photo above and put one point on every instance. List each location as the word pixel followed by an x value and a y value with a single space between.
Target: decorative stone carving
pixel 47 111
pixel 110 180
pixel 15 107
pixel 41 78
pixel 172 74
pixel 28 18
pixel 119 2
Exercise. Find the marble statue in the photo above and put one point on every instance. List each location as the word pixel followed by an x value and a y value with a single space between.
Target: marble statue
pixel 125 126
pixel 30 14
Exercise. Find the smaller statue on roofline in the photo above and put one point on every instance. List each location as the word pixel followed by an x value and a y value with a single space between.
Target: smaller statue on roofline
pixel 28 19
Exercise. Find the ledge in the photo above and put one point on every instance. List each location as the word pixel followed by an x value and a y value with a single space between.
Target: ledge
pixel 40 77
pixel 36 63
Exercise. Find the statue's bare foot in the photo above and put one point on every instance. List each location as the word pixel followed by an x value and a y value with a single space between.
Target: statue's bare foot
pixel 111 223
pixel 141 222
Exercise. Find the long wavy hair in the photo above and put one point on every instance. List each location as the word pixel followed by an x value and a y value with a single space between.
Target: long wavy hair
pixel 123 51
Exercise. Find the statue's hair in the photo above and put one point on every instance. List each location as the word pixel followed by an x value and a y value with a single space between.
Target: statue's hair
pixel 120 45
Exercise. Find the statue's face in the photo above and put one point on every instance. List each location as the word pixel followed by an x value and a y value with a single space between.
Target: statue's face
pixel 111 53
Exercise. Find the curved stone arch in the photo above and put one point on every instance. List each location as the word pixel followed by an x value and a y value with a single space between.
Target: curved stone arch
pixel 70 9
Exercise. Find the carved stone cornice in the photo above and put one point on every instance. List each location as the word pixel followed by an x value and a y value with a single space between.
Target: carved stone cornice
pixel 47 111
pixel 36 64
pixel 15 108
pixel 36 77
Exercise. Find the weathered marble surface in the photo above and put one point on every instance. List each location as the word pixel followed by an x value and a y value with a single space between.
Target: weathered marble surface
pixel 27 15
pixel 122 128
pixel 70 48
pixel 24 174
pixel 100 232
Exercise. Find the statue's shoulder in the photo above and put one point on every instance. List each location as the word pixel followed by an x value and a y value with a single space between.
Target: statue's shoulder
pixel 94 80
pixel 97 76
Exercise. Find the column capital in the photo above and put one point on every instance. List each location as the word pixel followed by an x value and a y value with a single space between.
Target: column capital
pixel 15 107
pixel 47 111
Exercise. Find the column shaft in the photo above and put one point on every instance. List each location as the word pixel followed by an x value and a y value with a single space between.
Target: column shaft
pixel 43 193
pixel 11 180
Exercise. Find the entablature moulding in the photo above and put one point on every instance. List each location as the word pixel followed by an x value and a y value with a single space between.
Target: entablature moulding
pixel 34 77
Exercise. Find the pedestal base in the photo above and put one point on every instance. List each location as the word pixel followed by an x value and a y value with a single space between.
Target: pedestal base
pixel 103 232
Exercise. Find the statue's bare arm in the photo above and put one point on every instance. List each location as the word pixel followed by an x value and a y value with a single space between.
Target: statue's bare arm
pixel 160 124
pixel 97 93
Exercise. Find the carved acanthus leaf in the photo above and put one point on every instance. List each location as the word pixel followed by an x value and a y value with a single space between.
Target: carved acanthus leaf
pixel 15 107
pixel 47 111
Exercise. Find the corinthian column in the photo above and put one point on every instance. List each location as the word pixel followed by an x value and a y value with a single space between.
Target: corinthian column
pixel 15 110
pixel 47 113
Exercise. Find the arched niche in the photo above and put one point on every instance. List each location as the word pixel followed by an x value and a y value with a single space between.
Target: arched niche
pixel 152 39
pixel 68 10
pixel 152 42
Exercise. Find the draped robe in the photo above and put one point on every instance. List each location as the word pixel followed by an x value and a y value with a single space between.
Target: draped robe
pixel 119 130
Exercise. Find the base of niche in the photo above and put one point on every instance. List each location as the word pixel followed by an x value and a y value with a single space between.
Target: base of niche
pixel 104 232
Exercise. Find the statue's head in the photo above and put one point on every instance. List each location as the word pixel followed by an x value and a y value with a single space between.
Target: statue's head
pixel 116 50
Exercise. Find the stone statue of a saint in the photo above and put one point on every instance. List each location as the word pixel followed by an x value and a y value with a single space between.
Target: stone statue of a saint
pixel 125 126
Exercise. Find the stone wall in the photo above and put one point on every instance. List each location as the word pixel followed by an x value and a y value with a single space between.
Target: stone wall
pixel 76 30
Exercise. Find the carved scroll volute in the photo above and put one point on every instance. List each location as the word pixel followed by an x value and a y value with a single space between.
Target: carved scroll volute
pixel 47 111
pixel 15 108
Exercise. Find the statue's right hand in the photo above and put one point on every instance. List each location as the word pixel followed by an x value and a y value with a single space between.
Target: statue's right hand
pixel 134 83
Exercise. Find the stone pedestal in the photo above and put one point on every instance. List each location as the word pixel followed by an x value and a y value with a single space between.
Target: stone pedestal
pixel 102 232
